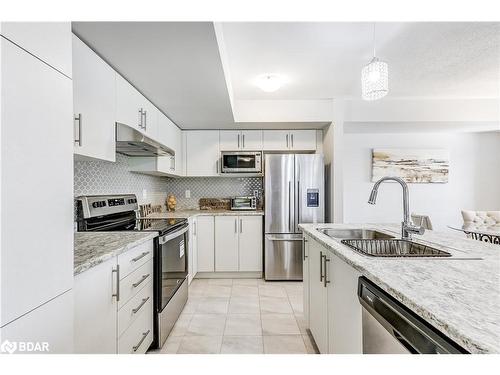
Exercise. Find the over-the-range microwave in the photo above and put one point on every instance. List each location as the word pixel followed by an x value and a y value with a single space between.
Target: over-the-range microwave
pixel 241 162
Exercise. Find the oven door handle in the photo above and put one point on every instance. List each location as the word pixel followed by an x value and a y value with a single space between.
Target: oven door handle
pixel 171 236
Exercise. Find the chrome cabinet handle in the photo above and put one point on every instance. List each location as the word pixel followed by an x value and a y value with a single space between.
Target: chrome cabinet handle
pixel 172 163
pixel 291 140
pixel 136 310
pixel 117 294
pixel 140 118
pixel 243 140
pixel 79 119
pixel 144 277
pixel 238 141
pixel 194 228
pixel 145 120
pixel 140 256
pixel 287 141
pixel 304 240
pixel 235 225
pixel 241 225
pixel 320 266
pixel 144 335
pixel 325 279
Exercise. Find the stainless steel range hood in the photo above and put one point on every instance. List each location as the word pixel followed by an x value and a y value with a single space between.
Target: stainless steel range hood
pixel 131 142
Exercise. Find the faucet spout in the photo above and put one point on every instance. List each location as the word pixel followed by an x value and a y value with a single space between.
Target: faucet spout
pixel 407 226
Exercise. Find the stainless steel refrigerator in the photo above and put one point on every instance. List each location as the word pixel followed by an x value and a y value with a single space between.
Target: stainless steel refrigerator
pixel 294 193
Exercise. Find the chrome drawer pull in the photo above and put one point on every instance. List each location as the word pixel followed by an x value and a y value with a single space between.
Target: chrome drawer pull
pixel 144 277
pixel 144 335
pixel 117 294
pixel 144 300
pixel 140 256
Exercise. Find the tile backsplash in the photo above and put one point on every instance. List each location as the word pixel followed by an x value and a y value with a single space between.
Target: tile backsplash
pixel 101 177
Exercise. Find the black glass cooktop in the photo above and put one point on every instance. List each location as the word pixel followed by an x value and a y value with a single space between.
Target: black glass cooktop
pixel 158 225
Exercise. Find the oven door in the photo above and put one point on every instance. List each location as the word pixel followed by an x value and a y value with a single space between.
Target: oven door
pixel 171 265
pixel 241 162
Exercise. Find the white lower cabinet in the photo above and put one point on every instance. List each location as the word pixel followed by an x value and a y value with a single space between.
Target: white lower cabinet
pixel 334 309
pixel 204 231
pixel 238 243
pixel 192 250
pixel 305 277
pixel 114 304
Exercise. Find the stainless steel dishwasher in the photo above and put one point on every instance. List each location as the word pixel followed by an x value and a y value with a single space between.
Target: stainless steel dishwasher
pixel 391 328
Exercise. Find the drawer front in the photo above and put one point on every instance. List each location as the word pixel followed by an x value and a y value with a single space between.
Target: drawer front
pixel 135 258
pixel 133 283
pixel 139 336
pixel 134 308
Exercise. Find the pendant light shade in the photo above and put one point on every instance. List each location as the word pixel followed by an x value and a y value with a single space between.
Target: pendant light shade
pixel 375 77
pixel 375 80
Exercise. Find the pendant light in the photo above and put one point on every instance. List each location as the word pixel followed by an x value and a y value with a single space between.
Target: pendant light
pixel 375 77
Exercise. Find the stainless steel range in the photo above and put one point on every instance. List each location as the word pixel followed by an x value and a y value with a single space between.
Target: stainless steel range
pixel 120 213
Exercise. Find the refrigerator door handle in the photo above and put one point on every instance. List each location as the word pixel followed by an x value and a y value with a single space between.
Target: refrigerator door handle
pixel 289 206
pixel 298 207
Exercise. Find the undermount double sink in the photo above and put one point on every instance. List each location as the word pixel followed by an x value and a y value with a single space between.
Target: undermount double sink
pixel 379 244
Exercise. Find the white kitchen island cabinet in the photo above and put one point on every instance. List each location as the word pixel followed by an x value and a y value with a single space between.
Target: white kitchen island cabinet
pixel 94 102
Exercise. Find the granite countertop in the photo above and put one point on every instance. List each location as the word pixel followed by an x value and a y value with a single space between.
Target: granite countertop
pixel 93 248
pixel 190 213
pixel 459 296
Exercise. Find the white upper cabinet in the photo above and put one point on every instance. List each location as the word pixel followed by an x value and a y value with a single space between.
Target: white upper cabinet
pixel 233 140
pixel 202 153
pixel 48 41
pixel 294 140
pixel 37 153
pixel 94 104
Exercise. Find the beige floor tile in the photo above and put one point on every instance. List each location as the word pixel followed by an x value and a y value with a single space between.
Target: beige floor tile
pixel 218 291
pixel 191 304
pixel 244 305
pixel 301 322
pixel 181 325
pixel 293 344
pixel 253 282
pixel 172 345
pixel 213 305
pixel 245 291
pixel 275 305
pixel 272 291
pixel 206 325
pixel 310 344
pixel 200 345
pixel 242 345
pixel 226 282
pixel 279 324
pixel 243 325
pixel 297 304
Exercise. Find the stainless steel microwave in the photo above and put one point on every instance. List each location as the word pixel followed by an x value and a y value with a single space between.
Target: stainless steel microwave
pixel 241 162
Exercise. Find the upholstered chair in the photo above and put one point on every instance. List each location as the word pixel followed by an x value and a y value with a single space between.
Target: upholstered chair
pixel 481 220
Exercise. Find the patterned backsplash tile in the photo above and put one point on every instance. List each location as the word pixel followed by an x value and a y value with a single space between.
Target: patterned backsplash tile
pixel 101 177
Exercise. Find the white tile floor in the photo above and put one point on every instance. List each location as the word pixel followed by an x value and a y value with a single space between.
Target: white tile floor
pixel 241 316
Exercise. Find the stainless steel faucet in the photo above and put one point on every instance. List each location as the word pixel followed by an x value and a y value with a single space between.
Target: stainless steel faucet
pixel 407 227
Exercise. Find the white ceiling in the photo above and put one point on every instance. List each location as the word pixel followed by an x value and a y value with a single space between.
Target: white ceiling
pixel 194 74
pixel 176 65
pixel 324 60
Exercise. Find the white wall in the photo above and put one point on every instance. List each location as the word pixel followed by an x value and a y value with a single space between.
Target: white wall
pixel 474 179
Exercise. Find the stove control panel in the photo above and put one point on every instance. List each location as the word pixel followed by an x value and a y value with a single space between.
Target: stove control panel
pixel 99 205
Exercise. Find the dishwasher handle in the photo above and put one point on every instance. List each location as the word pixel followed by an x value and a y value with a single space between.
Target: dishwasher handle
pixel 414 333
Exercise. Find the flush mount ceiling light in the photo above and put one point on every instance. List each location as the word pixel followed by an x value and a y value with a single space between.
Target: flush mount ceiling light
pixel 375 77
pixel 269 82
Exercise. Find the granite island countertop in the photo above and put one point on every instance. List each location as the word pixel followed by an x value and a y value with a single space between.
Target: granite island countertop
pixel 191 213
pixel 459 296
pixel 94 248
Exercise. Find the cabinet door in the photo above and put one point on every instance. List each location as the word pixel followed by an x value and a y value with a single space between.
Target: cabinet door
pixel 51 323
pixel 36 102
pixel 250 243
pixel 230 140
pixel 276 140
pixel 94 104
pixel 167 133
pixel 96 309
pixel 49 41
pixel 129 104
pixel 251 140
pixel 305 272
pixel 194 246
pixel 226 243
pixel 344 310
pixel 179 153
pixel 318 308
pixel 303 140
pixel 204 231
pixel 202 153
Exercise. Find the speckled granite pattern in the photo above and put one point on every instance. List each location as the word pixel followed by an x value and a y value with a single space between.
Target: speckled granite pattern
pixel 190 213
pixel 460 297
pixel 93 248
